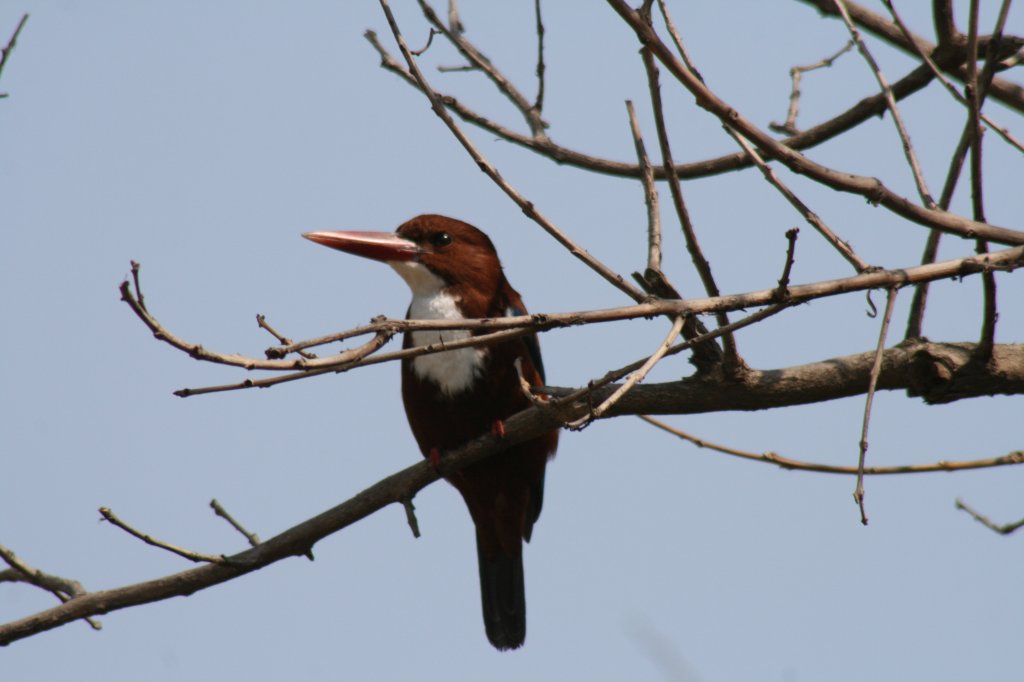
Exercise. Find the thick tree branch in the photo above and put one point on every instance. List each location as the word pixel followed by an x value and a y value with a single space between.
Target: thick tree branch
pixel 935 372
pixel 902 368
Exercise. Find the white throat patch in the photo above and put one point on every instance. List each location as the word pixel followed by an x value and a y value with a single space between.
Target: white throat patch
pixel 453 371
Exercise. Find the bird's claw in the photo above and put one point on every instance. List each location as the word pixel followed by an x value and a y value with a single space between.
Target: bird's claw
pixel 434 457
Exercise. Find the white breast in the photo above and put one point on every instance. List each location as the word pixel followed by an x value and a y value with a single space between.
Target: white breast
pixel 453 371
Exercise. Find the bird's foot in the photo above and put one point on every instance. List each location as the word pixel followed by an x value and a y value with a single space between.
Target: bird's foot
pixel 434 457
pixel 498 428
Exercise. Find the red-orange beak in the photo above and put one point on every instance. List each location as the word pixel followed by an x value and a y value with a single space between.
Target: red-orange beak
pixel 382 246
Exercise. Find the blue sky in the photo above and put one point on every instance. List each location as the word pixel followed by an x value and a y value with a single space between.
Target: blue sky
pixel 201 139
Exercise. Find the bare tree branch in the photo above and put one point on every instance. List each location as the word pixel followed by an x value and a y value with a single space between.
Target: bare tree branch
pixel 833 378
pixel 650 193
pixel 731 358
pixel 876 370
pixel 795 75
pixel 11 44
pixel 950 88
pixel 505 327
pixel 870 188
pixel 815 221
pixel 1004 529
pixel 951 58
pixel 197 557
pixel 897 118
pixel 827 130
pixel 64 589
pixel 220 511
pixel 788 463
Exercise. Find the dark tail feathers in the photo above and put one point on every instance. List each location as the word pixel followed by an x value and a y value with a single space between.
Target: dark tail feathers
pixel 504 599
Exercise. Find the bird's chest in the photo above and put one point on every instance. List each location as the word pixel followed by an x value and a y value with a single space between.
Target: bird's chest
pixel 453 371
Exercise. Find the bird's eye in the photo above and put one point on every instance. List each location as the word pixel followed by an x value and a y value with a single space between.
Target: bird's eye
pixel 440 239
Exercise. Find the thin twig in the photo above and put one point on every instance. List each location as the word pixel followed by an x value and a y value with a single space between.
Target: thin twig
pixel 883 83
pixel 616 374
pixel 1004 529
pixel 416 351
pixel 732 359
pixel 538 104
pixel 791 235
pixel 1016 457
pixel 458 69
pixel 796 74
pixel 527 206
pixel 197 557
pixel 410 516
pixel 946 83
pixel 477 59
pixel 138 289
pixel 1008 259
pixel 677 40
pixel 197 351
pixel 843 247
pixel 860 112
pixel 977 89
pixel 430 40
pixel 650 193
pixel 454 21
pixel 261 320
pixel 869 187
pixel 876 369
pixel 223 513
pixel 11 44
pixel 915 319
pixel 952 55
pixel 64 589
pixel 633 379
pixel 377 323
pixel 970 131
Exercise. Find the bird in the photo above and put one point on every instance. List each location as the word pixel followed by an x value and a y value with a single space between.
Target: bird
pixel 453 396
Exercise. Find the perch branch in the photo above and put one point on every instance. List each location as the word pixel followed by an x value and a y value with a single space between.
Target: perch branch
pixel 833 378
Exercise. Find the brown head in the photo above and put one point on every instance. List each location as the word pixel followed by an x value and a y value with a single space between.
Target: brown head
pixel 432 253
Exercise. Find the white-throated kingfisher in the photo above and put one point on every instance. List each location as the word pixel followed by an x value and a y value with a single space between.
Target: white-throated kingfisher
pixel 454 396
